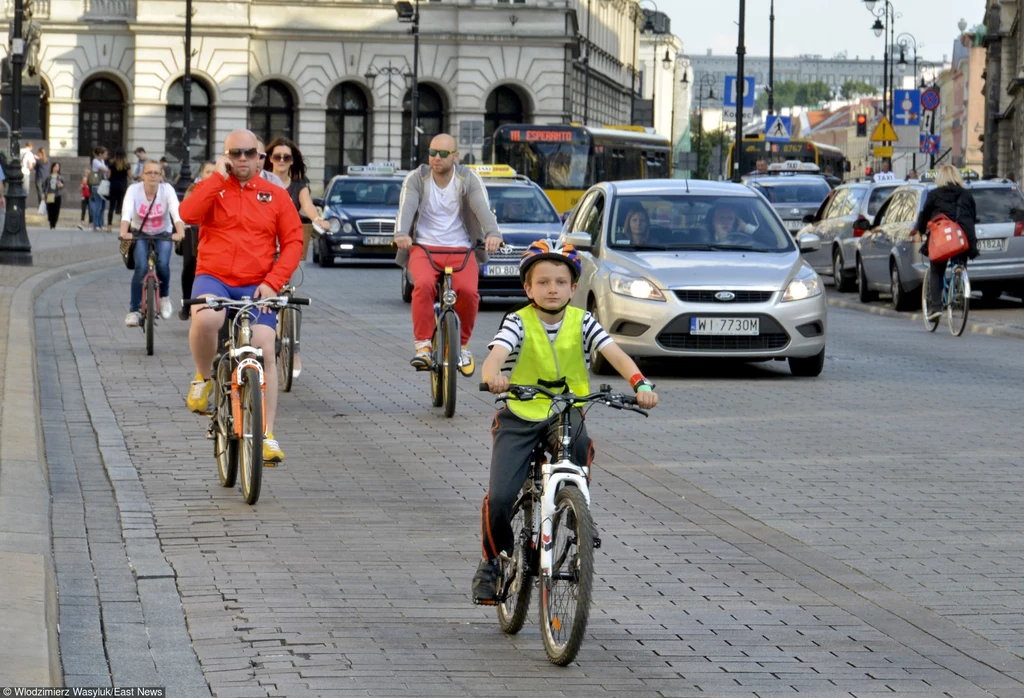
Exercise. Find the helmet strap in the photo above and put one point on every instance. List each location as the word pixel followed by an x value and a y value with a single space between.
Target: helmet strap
pixel 550 312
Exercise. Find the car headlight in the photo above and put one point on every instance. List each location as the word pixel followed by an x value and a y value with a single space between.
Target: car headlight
pixel 635 287
pixel 803 286
pixel 334 224
pixel 346 227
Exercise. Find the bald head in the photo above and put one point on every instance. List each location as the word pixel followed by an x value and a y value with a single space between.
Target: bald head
pixel 242 150
pixel 443 166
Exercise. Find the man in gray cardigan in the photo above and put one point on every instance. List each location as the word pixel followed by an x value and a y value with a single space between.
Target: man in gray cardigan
pixel 444 208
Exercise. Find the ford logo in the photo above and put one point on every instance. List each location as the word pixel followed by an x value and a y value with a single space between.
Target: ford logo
pixel 725 296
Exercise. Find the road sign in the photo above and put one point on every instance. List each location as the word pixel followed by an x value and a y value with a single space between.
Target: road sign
pixel 930 145
pixel 883 151
pixel 930 100
pixel 907 108
pixel 731 99
pixel 884 132
pixel 778 129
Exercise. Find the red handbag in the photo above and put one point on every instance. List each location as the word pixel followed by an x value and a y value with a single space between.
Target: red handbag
pixel 946 239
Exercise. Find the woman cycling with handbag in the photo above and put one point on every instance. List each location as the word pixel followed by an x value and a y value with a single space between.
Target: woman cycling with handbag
pixel 950 199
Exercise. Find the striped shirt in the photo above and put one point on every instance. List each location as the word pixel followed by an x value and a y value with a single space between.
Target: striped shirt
pixel 511 333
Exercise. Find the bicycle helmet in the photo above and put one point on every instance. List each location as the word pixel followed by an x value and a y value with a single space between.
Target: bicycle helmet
pixel 551 250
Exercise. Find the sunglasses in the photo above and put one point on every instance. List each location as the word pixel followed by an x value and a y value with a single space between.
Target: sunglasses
pixel 238 153
pixel 281 157
pixel 440 153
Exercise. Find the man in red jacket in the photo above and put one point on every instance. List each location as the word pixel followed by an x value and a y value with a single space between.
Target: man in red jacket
pixel 242 220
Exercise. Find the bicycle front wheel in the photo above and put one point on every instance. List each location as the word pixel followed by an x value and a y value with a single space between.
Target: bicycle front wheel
pixel 251 446
pixel 517 580
pixel 927 309
pixel 286 355
pixel 225 446
pixel 436 391
pixel 565 595
pixel 150 313
pixel 450 361
pixel 959 300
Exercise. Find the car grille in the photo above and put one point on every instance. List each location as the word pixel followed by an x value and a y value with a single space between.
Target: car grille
pixel 376 227
pixel 700 296
pixel 509 254
pixel 676 335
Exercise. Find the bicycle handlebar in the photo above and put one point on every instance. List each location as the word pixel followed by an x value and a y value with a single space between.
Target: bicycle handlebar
pixel 216 303
pixel 465 250
pixel 145 236
pixel 619 401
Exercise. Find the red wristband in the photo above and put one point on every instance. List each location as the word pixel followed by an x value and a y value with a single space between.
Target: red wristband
pixel 634 379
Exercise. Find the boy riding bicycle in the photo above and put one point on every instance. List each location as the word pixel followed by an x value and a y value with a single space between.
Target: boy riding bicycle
pixel 550 341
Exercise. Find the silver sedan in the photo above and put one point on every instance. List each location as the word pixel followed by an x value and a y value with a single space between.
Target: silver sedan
pixel 688 269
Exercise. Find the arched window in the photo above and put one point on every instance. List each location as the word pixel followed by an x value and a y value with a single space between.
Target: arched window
pixel 199 127
pixel 431 118
pixel 100 116
pixel 347 127
pixel 504 106
pixel 271 111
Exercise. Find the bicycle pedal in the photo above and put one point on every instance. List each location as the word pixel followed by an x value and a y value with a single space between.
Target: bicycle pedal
pixel 478 602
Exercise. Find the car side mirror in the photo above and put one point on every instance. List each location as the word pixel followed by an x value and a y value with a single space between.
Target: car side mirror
pixel 809 218
pixel 319 203
pixel 809 242
pixel 581 241
pixel 861 226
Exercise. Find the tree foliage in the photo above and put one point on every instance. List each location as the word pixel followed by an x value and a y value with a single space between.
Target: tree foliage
pixel 855 88
pixel 708 140
pixel 795 94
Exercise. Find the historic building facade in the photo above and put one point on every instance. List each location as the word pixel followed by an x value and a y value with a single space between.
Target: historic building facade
pixel 334 75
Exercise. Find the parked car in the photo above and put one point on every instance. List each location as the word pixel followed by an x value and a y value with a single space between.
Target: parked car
pixel 361 207
pixel 794 197
pixel 679 289
pixel 889 260
pixel 839 222
pixel 524 214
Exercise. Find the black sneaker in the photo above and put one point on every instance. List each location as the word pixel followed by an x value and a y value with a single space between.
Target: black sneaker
pixel 485 583
pixel 184 315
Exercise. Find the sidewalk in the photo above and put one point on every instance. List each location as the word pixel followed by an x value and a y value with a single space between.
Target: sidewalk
pixel 28 607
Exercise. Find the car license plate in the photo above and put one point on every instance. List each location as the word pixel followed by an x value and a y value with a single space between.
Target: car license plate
pixel 501 270
pixel 749 326
pixel 378 240
pixel 795 225
pixel 995 245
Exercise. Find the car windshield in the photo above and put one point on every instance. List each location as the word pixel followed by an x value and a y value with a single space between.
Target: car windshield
pixel 995 204
pixel 365 192
pixel 692 222
pixel 878 197
pixel 518 204
pixel 794 193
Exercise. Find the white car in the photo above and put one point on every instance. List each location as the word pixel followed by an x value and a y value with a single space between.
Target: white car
pixel 714 273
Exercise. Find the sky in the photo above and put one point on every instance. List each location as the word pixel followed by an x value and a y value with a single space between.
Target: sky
pixel 823 27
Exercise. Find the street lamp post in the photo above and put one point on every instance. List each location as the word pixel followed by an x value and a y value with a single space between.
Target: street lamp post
pixel 905 40
pixel 586 71
pixel 185 174
pixel 706 81
pixel 15 247
pixel 411 14
pixel 741 50
pixel 390 71
pixel 888 29
pixel 771 59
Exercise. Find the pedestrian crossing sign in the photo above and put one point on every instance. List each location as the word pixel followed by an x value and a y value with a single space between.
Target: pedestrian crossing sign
pixel 884 132
pixel 778 129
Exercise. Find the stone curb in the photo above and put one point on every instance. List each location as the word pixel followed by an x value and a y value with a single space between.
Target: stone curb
pixel 975 327
pixel 29 654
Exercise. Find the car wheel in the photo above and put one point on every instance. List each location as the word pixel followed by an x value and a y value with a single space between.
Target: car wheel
pixel 326 258
pixel 598 364
pixel 991 294
pixel 842 282
pixel 900 300
pixel 406 287
pixel 866 295
pixel 807 366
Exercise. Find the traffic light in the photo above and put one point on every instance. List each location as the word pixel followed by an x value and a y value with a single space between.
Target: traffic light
pixel 862 125
pixel 868 172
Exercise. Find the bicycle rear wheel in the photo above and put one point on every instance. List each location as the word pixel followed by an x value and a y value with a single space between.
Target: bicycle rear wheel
pixel 517 579
pixel 286 355
pixel 225 446
pixel 436 391
pixel 251 446
pixel 150 313
pixel 450 362
pixel 959 300
pixel 928 310
pixel 565 595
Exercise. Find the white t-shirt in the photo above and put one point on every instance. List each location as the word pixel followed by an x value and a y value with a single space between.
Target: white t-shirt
pixel 439 223
pixel 28 163
pixel 163 216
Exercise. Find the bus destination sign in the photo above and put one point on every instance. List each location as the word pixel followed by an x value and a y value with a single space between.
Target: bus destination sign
pixel 541 136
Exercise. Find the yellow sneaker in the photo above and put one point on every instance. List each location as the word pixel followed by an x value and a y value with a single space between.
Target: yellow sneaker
pixel 272 453
pixel 466 363
pixel 198 399
pixel 421 360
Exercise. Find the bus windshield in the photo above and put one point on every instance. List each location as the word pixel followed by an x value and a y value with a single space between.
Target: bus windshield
pixel 553 159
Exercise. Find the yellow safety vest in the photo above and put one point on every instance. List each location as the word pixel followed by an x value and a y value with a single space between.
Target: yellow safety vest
pixel 540 358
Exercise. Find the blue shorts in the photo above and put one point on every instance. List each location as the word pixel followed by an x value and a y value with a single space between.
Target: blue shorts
pixel 211 285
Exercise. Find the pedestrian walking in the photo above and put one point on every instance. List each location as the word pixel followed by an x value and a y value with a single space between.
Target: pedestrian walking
pixel 98 174
pixel 28 167
pixel 140 163
pixel 952 199
pixel 119 171
pixel 166 168
pixel 190 245
pixel 40 172
pixel 53 192
pixel 285 160
pixel 84 189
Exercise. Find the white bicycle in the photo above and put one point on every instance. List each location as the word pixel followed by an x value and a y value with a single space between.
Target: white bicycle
pixel 553 507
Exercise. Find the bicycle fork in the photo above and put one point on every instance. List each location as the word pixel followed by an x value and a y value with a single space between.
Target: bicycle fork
pixel 236 391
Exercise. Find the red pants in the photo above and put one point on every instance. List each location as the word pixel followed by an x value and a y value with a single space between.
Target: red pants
pixel 424 279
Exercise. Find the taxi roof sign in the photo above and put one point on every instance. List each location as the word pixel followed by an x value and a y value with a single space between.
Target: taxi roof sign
pixel 793 166
pixel 375 168
pixel 504 171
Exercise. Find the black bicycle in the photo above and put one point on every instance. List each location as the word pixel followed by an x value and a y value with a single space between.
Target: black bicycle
pixel 150 307
pixel 288 332
pixel 554 507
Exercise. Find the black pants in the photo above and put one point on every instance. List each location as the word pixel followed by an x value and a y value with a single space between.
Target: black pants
pixel 936 274
pixel 53 212
pixel 85 208
pixel 39 192
pixel 115 199
pixel 514 441
pixel 190 250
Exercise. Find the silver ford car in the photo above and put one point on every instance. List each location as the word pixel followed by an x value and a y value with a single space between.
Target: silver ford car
pixel 674 268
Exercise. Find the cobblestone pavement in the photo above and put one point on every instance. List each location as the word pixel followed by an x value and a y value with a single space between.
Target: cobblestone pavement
pixel 853 535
